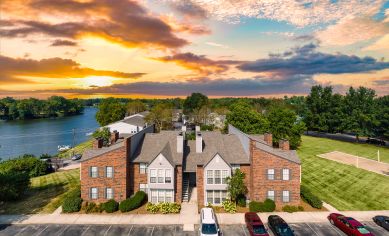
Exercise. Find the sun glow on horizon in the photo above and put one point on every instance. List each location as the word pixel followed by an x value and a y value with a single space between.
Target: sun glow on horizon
pixel 99 81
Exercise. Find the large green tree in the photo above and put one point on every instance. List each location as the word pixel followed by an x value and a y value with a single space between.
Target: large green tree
pixel 245 118
pixel 382 111
pixel 236 186
pixel 110 110
pixel 135 107
pixel 194 102
pixel 284 124
pixel 360 111
pixel 161 116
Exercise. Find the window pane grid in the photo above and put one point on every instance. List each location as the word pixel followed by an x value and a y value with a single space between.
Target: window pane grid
pixel 217 177
pixel 285 174
pixel 94 194
pixel 270 174
pixel 94 172
pixel 209 177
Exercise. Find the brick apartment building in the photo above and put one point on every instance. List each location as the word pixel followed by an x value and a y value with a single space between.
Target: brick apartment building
pixel 168 167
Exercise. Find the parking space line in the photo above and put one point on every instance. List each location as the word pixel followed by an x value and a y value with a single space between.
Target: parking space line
pixel 21 231
pixel 42 230
pixel 152 231
pixel 129 232
pixel 335 229
pixel 244 231
pixel 63 230
pixel 312 229
pixel 85 230
pixel 106 232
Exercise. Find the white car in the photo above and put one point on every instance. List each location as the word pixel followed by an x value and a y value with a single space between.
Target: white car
pixel 208 223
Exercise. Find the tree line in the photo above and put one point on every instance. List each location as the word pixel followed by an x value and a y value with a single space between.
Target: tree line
pixel 360 111
pixel 32 108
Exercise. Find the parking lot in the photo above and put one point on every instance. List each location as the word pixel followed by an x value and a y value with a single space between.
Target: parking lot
pixel 308 229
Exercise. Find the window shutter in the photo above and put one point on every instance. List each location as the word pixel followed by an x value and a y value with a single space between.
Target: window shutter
pixel 290 174
pixel 90 171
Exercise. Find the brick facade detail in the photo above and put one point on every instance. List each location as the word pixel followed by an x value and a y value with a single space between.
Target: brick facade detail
pixel 137 178
pixel 247 179
pixel 118 160
pixel 200 185
pixel 261 161
pixel 178 184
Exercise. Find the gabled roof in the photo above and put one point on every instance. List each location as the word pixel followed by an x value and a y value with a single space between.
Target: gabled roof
pixel 135 120
pixel 164 142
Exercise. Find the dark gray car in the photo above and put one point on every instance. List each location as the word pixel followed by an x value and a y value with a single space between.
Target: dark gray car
pixel 382 221
pixel 76 157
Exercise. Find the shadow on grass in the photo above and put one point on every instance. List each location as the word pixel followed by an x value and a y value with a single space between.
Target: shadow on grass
pixel 34 200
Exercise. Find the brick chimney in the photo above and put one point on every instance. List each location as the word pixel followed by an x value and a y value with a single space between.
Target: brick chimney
pixel 268 137
pixel 284 144
pixel 114 136
pixel 180 142
pixel 97 143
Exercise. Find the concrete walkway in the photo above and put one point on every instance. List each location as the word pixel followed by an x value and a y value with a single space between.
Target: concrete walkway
pixel 186 217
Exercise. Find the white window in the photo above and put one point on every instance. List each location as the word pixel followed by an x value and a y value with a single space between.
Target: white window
pixel 235 167
pixel 109 171
pixel 218 179
pixel 210 196
pixel 94 193
pixel 168 176
pixel 270 174
pixel 109 193
pixel 270 194
pixel 224 176
pixel 143 187
pixel 169 196
pixel 161 195
pixel 160 175
pixel 285 174
pixel 285 196
pixel 154 196
pixel 94 172
pixel 142 168
pixel 216 196
pixel 209 177
pixel 153 176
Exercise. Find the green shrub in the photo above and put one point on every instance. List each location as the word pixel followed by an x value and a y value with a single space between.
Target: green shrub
pixel 254 206
pixel 229 206
pixel 290 209
pixel 153 208
pixel 13 185
pixel 134 202
pixel 71 204
pixel 267 206
pixel 91 207
pixel 241 201
pixel 310 198
pixel 110 206
pixel 27 163
pixel 163 207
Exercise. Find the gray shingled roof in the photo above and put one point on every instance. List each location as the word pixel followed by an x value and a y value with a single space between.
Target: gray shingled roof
pixel 164 142
pixel 135 120
pixel 227 146
pixel 290 155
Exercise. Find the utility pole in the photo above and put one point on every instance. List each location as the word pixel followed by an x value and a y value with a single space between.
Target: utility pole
pixel 74 134
pixel 378 155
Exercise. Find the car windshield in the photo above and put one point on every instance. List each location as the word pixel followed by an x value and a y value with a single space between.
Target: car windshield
pixel 208 229
pixel 363 230
pixel 259 229
pixel 284 230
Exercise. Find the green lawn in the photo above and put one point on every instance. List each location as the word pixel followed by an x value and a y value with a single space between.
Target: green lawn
pixel 45 194
pixel 344 187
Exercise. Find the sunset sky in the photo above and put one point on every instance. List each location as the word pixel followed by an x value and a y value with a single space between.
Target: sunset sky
pixel 170 48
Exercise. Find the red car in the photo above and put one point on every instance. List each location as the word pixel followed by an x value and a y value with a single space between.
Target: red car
pixel 348 225
pixel 255 225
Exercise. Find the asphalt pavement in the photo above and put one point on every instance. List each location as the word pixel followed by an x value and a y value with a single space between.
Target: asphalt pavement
pixel 301 229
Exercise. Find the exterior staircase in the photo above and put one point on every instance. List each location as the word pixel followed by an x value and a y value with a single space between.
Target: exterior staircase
pixel 185 190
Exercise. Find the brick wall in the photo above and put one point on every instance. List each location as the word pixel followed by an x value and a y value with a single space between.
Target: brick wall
pixel 178 184
pixel 118 160
pixel 247 180
pixel 200 185
pixel 137 178
pixel 261 161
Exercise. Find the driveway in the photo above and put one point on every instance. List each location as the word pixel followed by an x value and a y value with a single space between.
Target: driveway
pixel 303 229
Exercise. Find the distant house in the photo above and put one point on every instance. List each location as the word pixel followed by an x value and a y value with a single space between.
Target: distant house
pixel 168 167
pixel 130 124
pixel 218 121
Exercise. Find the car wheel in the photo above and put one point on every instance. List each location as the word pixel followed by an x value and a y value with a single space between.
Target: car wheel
pixel 332 222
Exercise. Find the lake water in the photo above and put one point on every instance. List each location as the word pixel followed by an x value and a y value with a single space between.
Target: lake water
pixel 44 135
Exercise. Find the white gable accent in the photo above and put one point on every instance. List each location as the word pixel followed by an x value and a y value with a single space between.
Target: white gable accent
pixel 160 162
pixel 217 163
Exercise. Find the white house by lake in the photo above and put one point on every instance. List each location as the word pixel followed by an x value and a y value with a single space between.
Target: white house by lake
pixel 130 124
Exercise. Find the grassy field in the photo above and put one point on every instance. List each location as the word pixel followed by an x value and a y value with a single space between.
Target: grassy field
pixel 45 195
pixel 80 148
pixel 344 187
